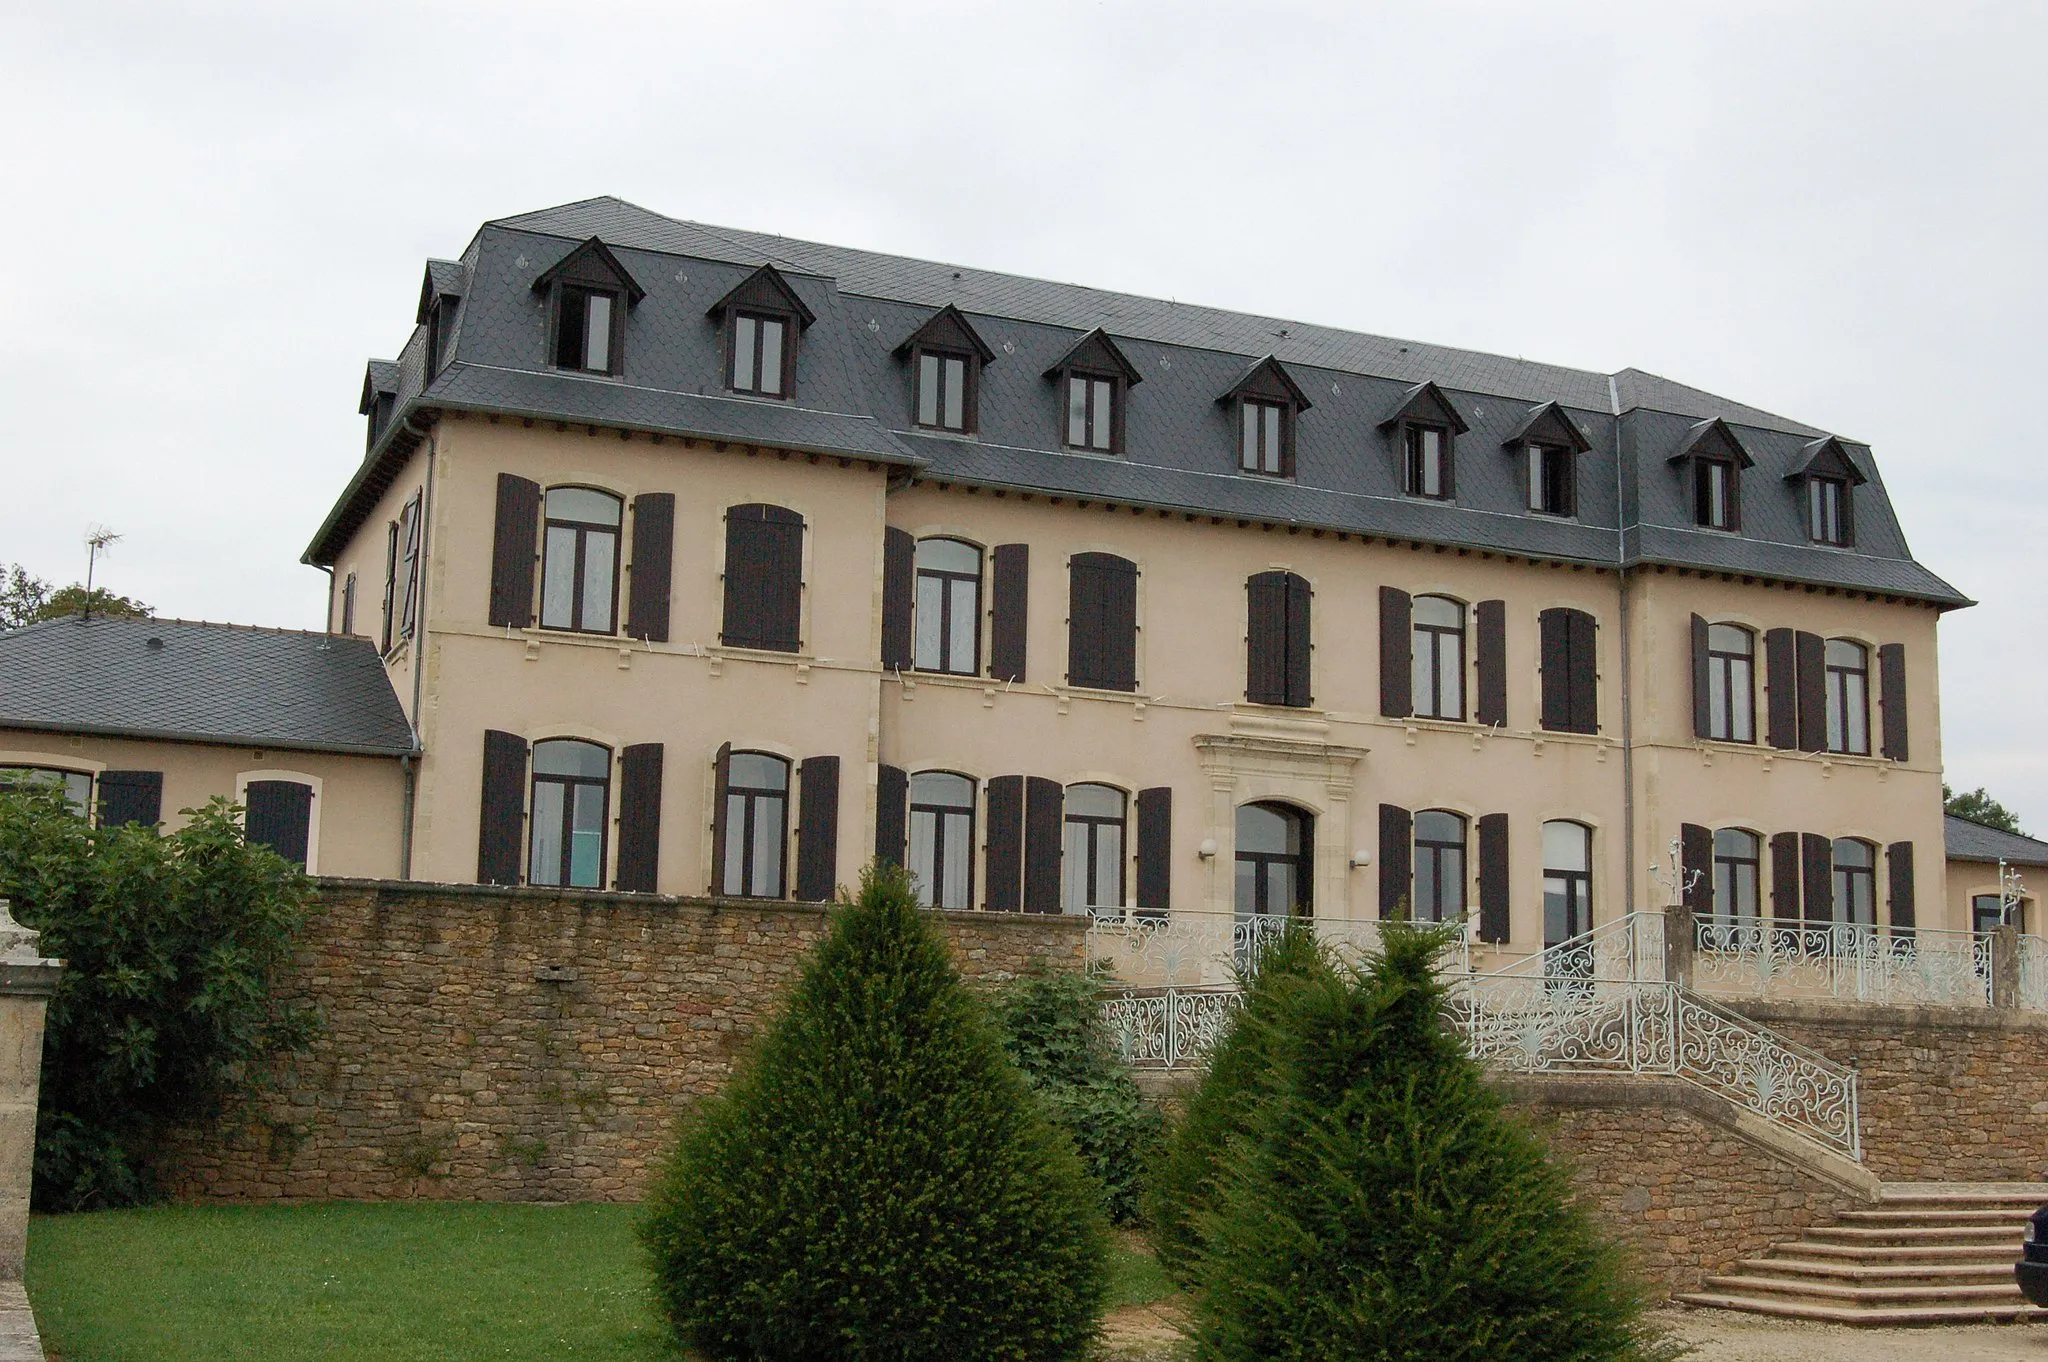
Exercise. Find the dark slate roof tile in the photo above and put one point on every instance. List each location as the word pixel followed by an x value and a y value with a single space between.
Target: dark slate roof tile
pixel 1972 841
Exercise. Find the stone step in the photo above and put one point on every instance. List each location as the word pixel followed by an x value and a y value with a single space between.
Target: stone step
pixel 2034 1194
pixel 1904 1273
pixel 1917 1234
pixel 1803 1289
pixel 2020 1309
pixel 1939 1216
pixel 1862 1252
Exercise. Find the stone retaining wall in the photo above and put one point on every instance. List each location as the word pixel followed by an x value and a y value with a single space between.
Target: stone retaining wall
pixel 520 1044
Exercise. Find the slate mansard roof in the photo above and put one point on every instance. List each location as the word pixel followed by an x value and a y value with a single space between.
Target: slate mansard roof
pixel 853 398
pixel 1969 840
pixel 193 682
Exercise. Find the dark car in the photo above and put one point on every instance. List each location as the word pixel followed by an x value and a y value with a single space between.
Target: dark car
pixel 2032 1268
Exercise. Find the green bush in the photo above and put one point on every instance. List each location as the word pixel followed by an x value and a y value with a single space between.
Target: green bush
pixel 1052 1028
pixel 1381 1204
pixel 1182 1190
pixel 877 1181
pixel 165 1012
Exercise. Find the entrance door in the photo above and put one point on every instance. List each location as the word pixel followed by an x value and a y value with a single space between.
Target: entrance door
pixel 1275 855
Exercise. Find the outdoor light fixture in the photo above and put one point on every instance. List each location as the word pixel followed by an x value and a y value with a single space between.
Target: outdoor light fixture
pixel 1207 850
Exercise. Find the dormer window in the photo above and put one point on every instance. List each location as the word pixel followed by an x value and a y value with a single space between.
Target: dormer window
pixel 1427 473
pixel 1831 478
pixel 763 319
pixel 380 399
pixel 1095 379
pixel 589 293
pixel 584 319
pixel 1268 402
pixel 440 296
pixel 1551 442
pixel 1550 479
pixel 1424 430
pixel 946 357
pixel 942 391
pixel 760 352
pixel 1711 459
pixel 1713 494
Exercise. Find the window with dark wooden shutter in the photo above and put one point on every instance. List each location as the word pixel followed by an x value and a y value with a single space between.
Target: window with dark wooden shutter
pixel 1817 877
pixel 817 829
pixel 279 815
pixel 1785 877
pixel 1891 681
pixel 390 625
pixel 892 807
pixel 1044 835
pixel 1102 622
pixel 1006 844
pixel 1009 605
pixel 1811 652
pixel 1696 866
pixel 1571 676
pixel 654 533
pixel 1490 624
pixel 1898 859
pixel 131 797
pixel 1397 676
pixel 1494 878
pixel 639 815
pixel 1585 672
pixel 721 791
pixel 764 558
pixel 899 571
pixel 1781 681
pixel 1702 685
pixel 1265 638
pixel 1396 860
pixel 1300 647
pixel 503 822
pixel 512 551
pixel 1155 849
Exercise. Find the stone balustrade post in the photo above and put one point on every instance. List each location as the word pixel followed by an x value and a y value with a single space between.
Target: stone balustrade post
pixel 1678 945
pixel 27 980
pixel 2005 966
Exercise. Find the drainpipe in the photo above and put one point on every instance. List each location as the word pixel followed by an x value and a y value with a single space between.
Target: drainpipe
pixel 327 624
pixel 419 651
pixel 1628 752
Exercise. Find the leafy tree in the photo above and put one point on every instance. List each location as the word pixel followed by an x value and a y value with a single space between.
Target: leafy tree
pixel 21 596
pixel 1381 1204
pixel 166 1010
pixel 76 600
pixel 1979 807
pixel 1052 1028
pixel 877 1181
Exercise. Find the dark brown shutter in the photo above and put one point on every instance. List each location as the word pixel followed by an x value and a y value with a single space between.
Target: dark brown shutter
pixel 1300 648
pixel 1702 685
pixel 764 560
pixel 512 549
pixel 1009 609
pixel 504 808
pixel 1494 880
pixel 892 809
pixel 1396 861
pixel 1397 665
pixel 1899 866
pixel 1155 848
pixel 654 539
pixel 1084 620
pixel 1102 622
pixel 1265 638
pixel 1554 630
pixel 1120 625
pixel 639 812
pixel 1812 653
pixel 1891 681
pixel 817 829
pixel 1490 619
pixel 1045 811
pixel 1785 877
pixel 721 787
pixel 391 587
pixel 899 587
pixel 1781 677
pixel 1696 866
pixel 1817 866
pixel 279 814
pixel 1585 672
pixel 1005 844
pixel 131 797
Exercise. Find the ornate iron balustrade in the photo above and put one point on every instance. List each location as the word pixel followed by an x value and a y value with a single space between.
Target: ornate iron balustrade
pixel 1767 959
pixel 1169 1028
pixel 1196 950
pixel 1628 948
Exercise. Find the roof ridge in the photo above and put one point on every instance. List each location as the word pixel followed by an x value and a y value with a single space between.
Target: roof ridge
pixel 1991 827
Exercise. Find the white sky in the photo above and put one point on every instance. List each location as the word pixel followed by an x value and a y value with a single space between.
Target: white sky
pixel 214 213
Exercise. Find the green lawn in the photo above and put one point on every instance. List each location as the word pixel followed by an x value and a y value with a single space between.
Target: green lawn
pixel 398 1282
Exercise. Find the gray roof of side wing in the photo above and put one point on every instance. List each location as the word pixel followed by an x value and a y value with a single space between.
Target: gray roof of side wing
pixel 209 683
pixel 1972 841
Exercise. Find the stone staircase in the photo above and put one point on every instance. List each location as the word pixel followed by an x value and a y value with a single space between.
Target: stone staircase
pixel 1926 1253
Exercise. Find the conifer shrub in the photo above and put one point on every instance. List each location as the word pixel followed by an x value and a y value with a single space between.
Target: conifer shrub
pixel 1383 1205
pixel 878 1182
pixel 1053 1031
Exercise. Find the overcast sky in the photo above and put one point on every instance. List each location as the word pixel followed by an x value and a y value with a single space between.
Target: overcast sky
pixel 215 213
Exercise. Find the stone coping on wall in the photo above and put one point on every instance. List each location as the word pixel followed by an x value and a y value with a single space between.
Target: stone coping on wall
pixel 1880 1017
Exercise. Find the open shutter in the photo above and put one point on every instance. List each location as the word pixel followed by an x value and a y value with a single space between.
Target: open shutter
pixel 1785 877
pixel 892 809
pixel 1045 809
pixel 1817 866
pixel 899 585
pixel 1300 649
pixel 1120 626
pixel 1585 672
pixel 512 549
pixel 1490 622
pixel 1898 858
pixel 654 536
pixel 1008 608
pixel 1265 638
pixel 131 797
pixel 1702 686
pixel 1811 651
pixel 1006 844
pixel 1696 867
pixel 1084 620
pixel 1554 629
pixel 1155 848
pixel 1891 681
pixel 1396 861
pixel 1494 879
pixel 817 829
pixel 1397 675
pixel 639 813
pixel 279 814
pixel 764 562
pixel 1781 677
pixel 721 787
pixel 504 808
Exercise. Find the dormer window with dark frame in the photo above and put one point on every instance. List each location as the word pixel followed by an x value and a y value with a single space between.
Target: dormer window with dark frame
pixel 946 357
pixel 1830 477
pixel 380 399
pixel 763 318
pixel 1551 479
pixel 1711 460
pixel 584 320
pixel 1268 403
pixel 760 354
pixel 440 298
pixel 1425 430
pixel 1551 442
pixel 1713 494
pixel 589 293
pixel 1426 460
pixel 1095 380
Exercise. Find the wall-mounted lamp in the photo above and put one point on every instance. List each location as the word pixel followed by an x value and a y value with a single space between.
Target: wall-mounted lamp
pixel 1361 857
pixel 1207 850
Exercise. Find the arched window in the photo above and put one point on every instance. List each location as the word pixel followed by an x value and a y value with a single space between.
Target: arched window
pixel 75 786
pixel 942 839
pixel 755 858
pixel 1855 882
pixel 1738 867
pixel 571 788
pixel 1275 861
pixel 1731 683
pixel 1094 848
pixel 579 577
pixel 1848 691
pixel 1439 657
pixel 1439 866
pixel 1567 881
pixel 948 607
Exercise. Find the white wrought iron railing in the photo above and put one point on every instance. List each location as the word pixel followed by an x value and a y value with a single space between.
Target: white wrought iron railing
pixel 1184 950
pixel 1169 1028
pixel 1760 958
